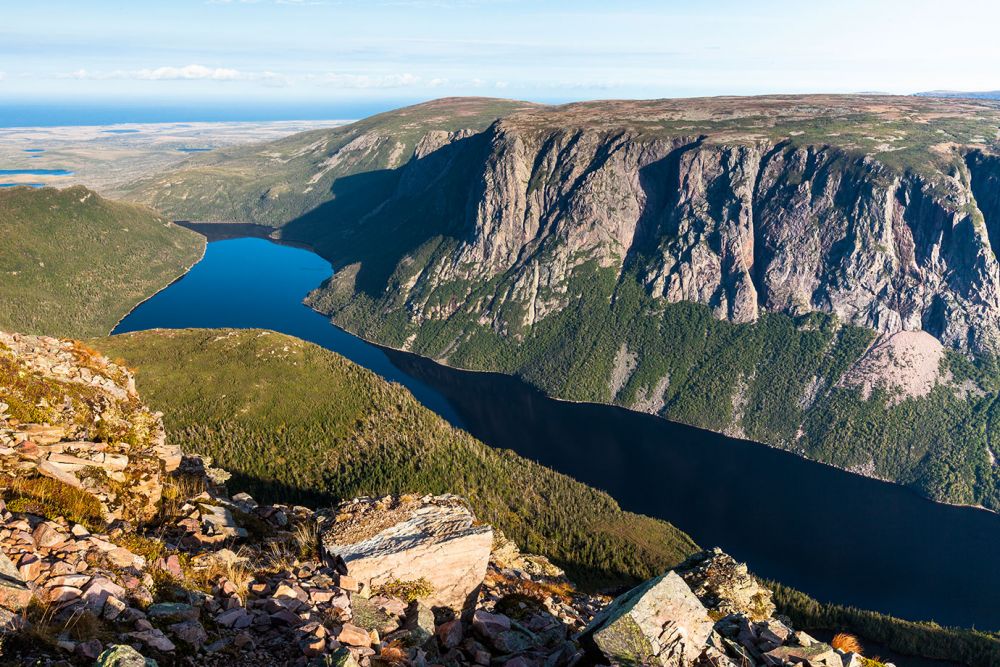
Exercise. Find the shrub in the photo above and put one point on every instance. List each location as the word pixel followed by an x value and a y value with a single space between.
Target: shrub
pixel 846 643
pixel 405 590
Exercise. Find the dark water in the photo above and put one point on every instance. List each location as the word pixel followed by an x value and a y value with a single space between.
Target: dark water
pixel 253 283
pixel 837 536
pixel 35 172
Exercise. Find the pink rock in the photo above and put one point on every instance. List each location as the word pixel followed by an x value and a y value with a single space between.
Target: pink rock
pixel 46 536
pixel 89 650
pixel 64 593
pixel 97 592
pixel 353 635
pixel 489 625
pixel 234 618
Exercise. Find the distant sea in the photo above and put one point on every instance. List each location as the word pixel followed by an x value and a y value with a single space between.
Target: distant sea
pixel 55 114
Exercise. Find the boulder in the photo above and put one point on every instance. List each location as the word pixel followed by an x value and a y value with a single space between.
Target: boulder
pixel 434 538
pixel 660 622
pixel 123 655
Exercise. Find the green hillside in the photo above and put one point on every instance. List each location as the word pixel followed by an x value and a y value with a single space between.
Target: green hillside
pixel 296 423
pixel 73 263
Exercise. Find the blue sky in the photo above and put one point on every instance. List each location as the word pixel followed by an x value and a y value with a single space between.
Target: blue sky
pixel 315 51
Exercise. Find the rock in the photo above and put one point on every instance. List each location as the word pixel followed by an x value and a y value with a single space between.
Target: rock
pixel 852 660
pixel 660 622
pixel 219 521
pixel 155 639
pixel 774 631
pixel 817 655
pixel 123 655
pixel 489 625
pixel 236 617
pixel 190 632
pixel 353 635
pixel 518 662
pixel 113 608
pixel 419 623
pixel 89 650
pixel 725 586
pixel 99 591
pixel 14 592
pixel 46 536
pixel 11 622
pixel 55 472
pixel 60 594
pixel 342 658
pixel 408 539
pixel 172 612
pixel 450 633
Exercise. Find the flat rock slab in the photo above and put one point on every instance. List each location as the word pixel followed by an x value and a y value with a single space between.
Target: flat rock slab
pixel 660 622
pixel 14 592
pixel 434 538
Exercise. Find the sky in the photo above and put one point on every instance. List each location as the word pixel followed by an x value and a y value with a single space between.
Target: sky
pixel 388 52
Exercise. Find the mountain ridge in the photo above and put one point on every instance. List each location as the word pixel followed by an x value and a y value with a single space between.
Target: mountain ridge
pixel 722 262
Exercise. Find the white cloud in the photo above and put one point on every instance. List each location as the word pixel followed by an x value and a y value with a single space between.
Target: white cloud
pixel 3 75
pixel 370 81
pixel 185 73
pixel 189 72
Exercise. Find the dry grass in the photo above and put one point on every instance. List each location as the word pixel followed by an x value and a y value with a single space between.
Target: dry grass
pixel 51 499
pixel 177 489
pixel 306 536
pixel 43 626
pixel 239 571
pixel 845 642
pixel 394 653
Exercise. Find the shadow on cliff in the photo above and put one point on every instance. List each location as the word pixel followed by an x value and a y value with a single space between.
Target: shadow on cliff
pixel 377 218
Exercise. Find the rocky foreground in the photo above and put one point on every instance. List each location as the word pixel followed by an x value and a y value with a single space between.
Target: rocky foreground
pixel 118 549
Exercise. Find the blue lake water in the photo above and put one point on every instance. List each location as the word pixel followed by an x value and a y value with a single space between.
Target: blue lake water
pixel 28 185
pixel 194 150
pixel 35 172
pixel 838 536
pixel 34 150
pixel 253 283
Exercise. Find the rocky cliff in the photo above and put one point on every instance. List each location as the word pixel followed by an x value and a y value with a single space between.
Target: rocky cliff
pixel 803 271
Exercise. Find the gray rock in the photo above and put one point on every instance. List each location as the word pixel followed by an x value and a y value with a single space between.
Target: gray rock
pixel 172 612
pixel 434 538
pixel 660 622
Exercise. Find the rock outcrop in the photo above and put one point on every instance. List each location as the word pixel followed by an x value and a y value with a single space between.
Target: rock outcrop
pixel 391 541
pixel 659 623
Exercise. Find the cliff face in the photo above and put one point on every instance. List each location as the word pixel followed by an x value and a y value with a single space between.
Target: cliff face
pixel 739 228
